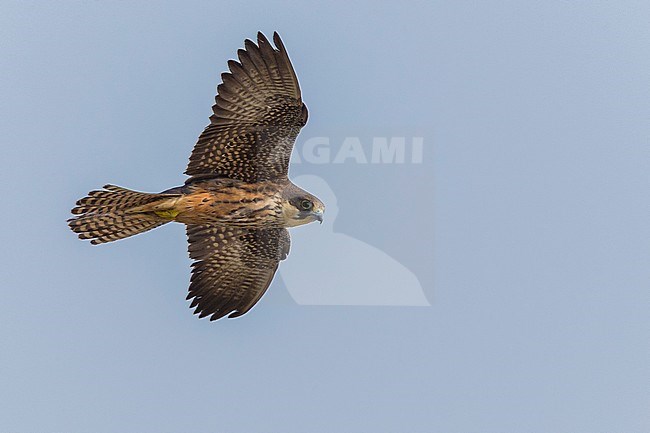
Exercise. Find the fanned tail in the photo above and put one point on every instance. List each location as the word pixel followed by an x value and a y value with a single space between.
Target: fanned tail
pixel 115 213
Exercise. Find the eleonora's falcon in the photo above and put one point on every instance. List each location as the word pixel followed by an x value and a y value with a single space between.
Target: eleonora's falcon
pixel 238 201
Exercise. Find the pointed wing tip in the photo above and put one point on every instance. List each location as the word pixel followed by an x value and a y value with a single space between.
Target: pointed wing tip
pixel 278 41
pixel 261 38
pixel 249 45
pixel 218 315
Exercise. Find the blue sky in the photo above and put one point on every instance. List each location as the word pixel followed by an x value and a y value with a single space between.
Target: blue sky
pixel 526 223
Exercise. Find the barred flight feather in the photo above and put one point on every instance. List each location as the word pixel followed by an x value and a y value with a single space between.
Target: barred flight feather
pixel 103 216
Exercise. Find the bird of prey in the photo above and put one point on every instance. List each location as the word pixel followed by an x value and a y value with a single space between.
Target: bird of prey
pixel 238 201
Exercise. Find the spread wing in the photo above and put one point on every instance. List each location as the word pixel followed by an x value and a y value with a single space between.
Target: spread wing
pixel 257 116
pixel 233 267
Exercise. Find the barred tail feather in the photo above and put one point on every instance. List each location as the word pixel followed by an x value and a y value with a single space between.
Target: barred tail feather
pixel 110 214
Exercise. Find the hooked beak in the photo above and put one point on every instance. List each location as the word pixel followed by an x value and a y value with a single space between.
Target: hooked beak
pixel 319 216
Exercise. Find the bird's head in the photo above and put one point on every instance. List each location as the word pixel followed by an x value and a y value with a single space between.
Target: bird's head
pixel 300 207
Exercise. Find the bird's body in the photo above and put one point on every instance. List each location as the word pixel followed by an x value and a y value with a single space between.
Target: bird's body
pixel 239 201
pixel 224 201
pixel 227 202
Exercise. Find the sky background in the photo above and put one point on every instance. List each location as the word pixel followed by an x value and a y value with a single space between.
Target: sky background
pixel 526 223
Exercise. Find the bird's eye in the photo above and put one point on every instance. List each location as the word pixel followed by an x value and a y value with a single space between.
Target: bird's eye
pixel 306 205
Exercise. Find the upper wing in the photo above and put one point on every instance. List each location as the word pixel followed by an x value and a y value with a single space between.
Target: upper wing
pixel 257 116
pixel 233 267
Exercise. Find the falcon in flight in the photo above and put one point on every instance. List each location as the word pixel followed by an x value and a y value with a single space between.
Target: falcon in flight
pixel 238 202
